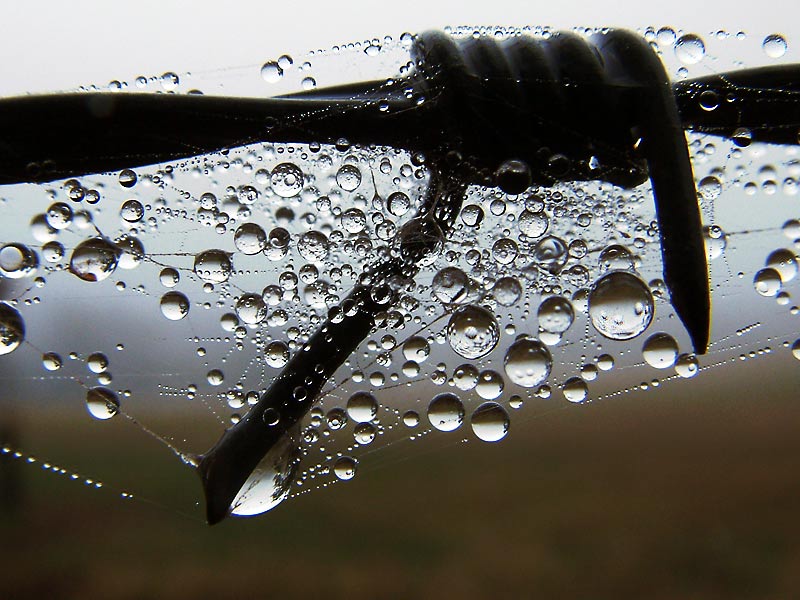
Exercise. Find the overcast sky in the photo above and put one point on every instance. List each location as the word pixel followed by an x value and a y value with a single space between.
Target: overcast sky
pixel 53 45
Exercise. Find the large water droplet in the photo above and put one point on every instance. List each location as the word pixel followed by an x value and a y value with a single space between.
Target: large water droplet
pixel 174 306
pixel 472 332
pixel 271 72
pixel 313 246
pixel 287 180
pixel 277 354
pixel 446 412
pixel 620 305
pixel 450 285
pixel 270 481
pixel 784 262
pixel 767 282
pixel 556 314
pixel 213 266
pixel 94 259
pixel 774 45
pixel 690 49
pixel 528 362
pixel 345 468
pixel 660 351
pixel 362 407
pixel 490 422
pixel 102 403
pixel 250 238
pixel 575 390
pixel 348 177
pixel 251 308
pixel 17 261
pixel 12 328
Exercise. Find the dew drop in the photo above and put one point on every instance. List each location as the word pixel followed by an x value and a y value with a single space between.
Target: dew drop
pixel 767 282
pixel 213 266
pixel 17 261
pixel 174 306
pixel 362 407
pixel 345 468
pixel 12 328
pixel 575 390
pixel 94 259
pixel 446 412
pixel 620 305
pixel 271 72
pixel 250 238
pixel 102 403
pixel 528 362
pixel 51 361
pixel 251 308
pixel 690 49
pixel 774 45
pixel 556 314
pixel 131 211
pixel 276 354
pixel 287 180
pixel 660 351
pixel 348 177
pixel 472 332
pixel 169 277
pixel 490 422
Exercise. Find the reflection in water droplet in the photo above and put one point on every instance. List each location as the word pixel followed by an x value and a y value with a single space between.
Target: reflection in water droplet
pixel 362 407
pixel 620 305
pixel 446 412
pixel 102 403
pixel 660 350
pixel 131 211
pixel 472 332
pixel 345 468
pixel 313 246
pixel 507 291
pixel 528 362
pixel 270 481
pixel 169 277
pixel 215 377
pixel 686 366
pixel 97 362
pixel 94 259
pixel 784 262
pixel 490 422
pixel 715 241
pixel 410 418
pixel 533 224
pixel 12 328
pixel 213 266
pixel 17 261
pixel 174 306
pixel 490 384
pixel 417 349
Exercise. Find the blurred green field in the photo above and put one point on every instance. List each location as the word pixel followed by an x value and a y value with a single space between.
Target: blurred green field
pixel 647 496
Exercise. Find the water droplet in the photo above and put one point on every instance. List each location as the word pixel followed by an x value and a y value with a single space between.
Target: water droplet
pixel 213 266
pixel 131 211
pixel 710 187
pixel 169 277
pixel 490 422
pixel 472 332
pixel 277 354
pixel 17 261
pixel 251 308
pixel 690 49
pixel 215 377
pixel 616 258
pixel 774 45
pixel 450 285
pixel 490 384
pixel 250 238
pixel 130 252
pixel 398 203
pixel 287 180
pixel 271 480
pixel 364 433
pixel 446 412
pixel 575 390
pixel 127 178
pixel 362 407
pixel 410 418
pixel 348 177
pixel 271 72
pixel 507 291
pixel 796 349
pixel 784 262
pixel 354 220
pixel 620 305
pixel 308 83
pixel 313 246
pixel 102 403
pixel 767 282
pixel 51 361
pixel 660 351
pixel 12 328
pixel 556 314
pixel 715 241
pixel 533 224
pixel 97 362
pixel 345 468
pixel 416 349
pixel 94 259
pixel 528 362
pixel 174 306
pixel 504 251
pixel 59 216
pixel 686 366
pixel 550 254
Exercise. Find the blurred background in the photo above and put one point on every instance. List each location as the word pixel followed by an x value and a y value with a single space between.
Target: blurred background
pixel 690 492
